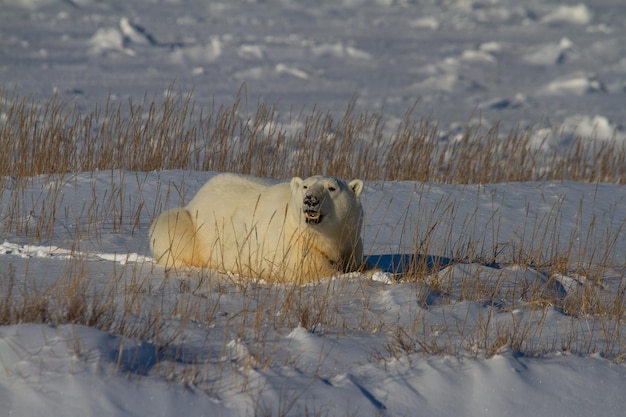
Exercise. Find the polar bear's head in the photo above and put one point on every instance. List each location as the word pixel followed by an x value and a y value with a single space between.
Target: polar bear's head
pixel 327 202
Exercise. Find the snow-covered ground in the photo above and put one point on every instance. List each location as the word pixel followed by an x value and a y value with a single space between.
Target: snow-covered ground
pixel 531 62
pixel 223 346
pixel 350 345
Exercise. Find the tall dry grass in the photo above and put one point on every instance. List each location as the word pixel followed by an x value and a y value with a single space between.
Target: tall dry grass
pixel 172 133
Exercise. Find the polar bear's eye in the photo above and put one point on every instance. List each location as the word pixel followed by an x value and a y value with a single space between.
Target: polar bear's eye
pixel 305 187
pixel 331 188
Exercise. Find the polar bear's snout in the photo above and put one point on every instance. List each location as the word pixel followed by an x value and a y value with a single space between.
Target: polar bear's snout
pixel 312 209
pixel 311 201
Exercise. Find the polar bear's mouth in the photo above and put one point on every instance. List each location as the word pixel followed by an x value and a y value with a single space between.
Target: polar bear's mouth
pixel 313 216
pixel 312 212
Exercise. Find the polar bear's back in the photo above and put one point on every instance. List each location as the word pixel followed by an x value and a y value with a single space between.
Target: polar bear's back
pixel 240 220
pixel 237 202
pixel 225 194
pixel 227 184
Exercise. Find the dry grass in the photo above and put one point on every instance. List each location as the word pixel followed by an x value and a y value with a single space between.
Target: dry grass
pixel 56 138
pixel 70 298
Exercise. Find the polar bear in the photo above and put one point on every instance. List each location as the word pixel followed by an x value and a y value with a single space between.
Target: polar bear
pixel 301 230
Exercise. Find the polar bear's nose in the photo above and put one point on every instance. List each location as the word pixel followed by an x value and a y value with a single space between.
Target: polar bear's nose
pixel 311 201
pixel 312 210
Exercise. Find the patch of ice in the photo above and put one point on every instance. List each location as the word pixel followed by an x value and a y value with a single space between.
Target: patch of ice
pixel 123 258
pixel 449 81
pixel 577 84
pixel 477 56
pixel 298 333
pixel 570 284
pixel 41 251
pixel 294 72
pixel 443 82
pixel 490 47
pixel 339 50
pixel 589 127
pixel 384 277
pixel 328 49
pixel 248 51
pixel 208 52
pixel 255 73
pixel 425 23
pixel 543 139
pixel 30 4
pixel 109 40
pixel 596 127
pixel 601 28
pixel 134 33
pixel 239 352
pixel 353 52
pixel 33 251
pixel 549 54
pixel 575 15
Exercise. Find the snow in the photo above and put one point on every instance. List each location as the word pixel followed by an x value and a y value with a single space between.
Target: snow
pixel 226 346
pixel 577 15
pixel 390 55
pixel 305 364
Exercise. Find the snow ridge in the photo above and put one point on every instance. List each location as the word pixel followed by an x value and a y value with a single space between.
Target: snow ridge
pixel 55 252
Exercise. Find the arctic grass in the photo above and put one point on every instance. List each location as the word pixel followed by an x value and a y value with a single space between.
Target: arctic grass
pixel 54 139
pixel 171 133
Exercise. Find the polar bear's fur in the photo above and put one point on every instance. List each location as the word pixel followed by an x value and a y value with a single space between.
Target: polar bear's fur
pixel 299 231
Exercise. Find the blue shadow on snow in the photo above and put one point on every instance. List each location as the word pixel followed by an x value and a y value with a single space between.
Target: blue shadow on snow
pixel 401 263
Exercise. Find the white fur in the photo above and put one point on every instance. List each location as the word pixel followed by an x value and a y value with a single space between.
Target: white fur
pixel 251 227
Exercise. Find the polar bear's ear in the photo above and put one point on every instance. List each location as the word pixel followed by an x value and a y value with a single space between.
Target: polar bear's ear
pixel 295 184
pixel 356 186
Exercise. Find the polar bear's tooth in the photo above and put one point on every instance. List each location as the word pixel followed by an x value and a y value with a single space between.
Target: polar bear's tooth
pixel 313 216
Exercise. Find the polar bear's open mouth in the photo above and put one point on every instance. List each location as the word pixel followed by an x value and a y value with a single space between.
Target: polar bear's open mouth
pixel 312 206
pixel 313 216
